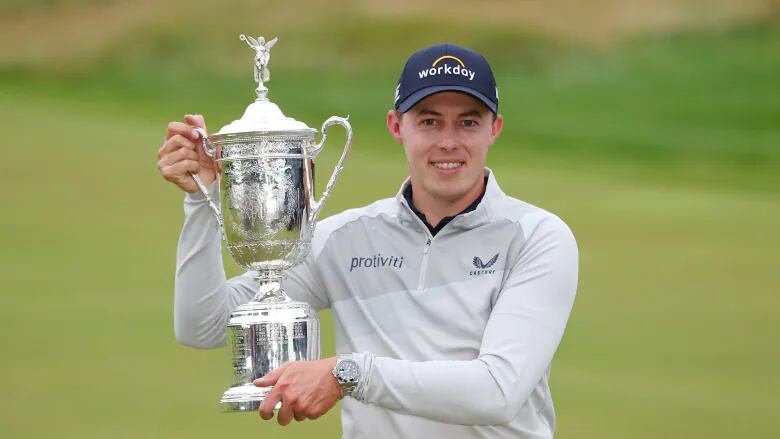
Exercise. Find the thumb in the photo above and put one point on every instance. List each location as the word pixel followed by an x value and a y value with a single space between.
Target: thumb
pixel 195 120
pixel 270 378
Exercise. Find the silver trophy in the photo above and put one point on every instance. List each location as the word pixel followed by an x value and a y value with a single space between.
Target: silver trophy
pixel 267 214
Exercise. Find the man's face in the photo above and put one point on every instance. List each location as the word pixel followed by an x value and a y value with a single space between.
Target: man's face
pixel 446 137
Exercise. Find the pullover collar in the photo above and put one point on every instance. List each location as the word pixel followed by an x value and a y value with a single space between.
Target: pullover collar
pixel 478 213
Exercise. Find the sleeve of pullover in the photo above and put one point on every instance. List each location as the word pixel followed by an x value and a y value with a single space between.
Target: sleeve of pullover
pixel 522 333
pixel 203 297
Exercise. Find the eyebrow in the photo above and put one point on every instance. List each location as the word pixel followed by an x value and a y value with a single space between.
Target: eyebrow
pixel 425 111
pixel 473 112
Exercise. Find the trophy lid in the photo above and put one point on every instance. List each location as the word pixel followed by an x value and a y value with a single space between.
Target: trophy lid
pixel 262 114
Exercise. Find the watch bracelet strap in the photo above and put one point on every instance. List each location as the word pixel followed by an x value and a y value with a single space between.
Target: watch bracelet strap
pixel 349 388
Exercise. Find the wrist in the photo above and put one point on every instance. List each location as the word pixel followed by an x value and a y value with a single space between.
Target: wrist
pixel 330 364
pixel 198 196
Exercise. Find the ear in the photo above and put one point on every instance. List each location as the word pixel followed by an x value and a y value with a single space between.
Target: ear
pixel 394 125
pixel 496 128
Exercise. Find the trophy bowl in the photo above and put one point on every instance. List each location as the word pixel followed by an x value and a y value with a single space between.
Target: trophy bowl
pixel 265 185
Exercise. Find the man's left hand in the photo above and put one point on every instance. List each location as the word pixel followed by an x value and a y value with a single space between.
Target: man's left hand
pixel 306 389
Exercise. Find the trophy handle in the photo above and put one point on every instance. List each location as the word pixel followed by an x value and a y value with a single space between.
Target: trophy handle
pixel 317 204
pixel 210 151
pixel 208 147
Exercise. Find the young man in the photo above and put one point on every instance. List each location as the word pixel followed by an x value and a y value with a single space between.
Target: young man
pixel 455 338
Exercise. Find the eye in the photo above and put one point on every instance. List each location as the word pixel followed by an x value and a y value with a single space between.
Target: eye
pixel 470 123
pixel 428 122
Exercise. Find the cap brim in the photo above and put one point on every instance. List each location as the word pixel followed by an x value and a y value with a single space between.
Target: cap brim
pixel 423 93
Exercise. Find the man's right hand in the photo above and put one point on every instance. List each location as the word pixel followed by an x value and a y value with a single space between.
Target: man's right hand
pixel 182 154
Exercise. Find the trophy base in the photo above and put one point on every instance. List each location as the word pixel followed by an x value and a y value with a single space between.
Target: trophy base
pixel 245 398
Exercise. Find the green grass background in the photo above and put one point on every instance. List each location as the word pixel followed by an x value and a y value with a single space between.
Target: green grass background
pixel 661 150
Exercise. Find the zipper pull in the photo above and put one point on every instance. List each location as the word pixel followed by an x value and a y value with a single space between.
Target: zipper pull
pixel 427 246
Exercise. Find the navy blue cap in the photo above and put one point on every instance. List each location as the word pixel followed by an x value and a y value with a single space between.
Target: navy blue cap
pixel 446 67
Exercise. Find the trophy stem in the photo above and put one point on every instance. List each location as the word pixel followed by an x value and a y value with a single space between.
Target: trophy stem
pixel 262 92
pixel 270 286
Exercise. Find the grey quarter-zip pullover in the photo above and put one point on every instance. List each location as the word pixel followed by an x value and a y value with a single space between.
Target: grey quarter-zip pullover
pixel 455 332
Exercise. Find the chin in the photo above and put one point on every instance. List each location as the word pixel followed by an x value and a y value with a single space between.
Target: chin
pixel 449 194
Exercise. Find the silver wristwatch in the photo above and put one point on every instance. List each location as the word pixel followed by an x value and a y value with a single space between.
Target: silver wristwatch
pixel 347 373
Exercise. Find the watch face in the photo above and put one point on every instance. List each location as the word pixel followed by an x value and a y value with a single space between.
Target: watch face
pixel 348 370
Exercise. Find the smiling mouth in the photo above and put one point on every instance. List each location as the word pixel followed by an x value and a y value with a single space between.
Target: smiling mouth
pixel 447 165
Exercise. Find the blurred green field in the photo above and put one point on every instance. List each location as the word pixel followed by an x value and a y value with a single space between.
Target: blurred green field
pixel 661 152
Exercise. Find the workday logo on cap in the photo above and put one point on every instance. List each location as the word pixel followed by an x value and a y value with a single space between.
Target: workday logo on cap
pixel 446 67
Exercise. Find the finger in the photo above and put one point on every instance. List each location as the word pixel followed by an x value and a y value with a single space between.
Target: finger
pixel 266 409
pixel 299 416
pixel 181 129
pixel 195 120
pixel 180 172
pixel 317 410
pixel 177 156
pixel 271 377
pixel 175 143
pixel 285 414
pixel 179 141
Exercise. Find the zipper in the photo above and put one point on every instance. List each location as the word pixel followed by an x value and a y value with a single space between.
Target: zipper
pixel 424 263
pixel 426 248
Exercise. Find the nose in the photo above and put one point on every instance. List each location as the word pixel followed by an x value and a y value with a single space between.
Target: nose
pixel 448 140
pixel 446 144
